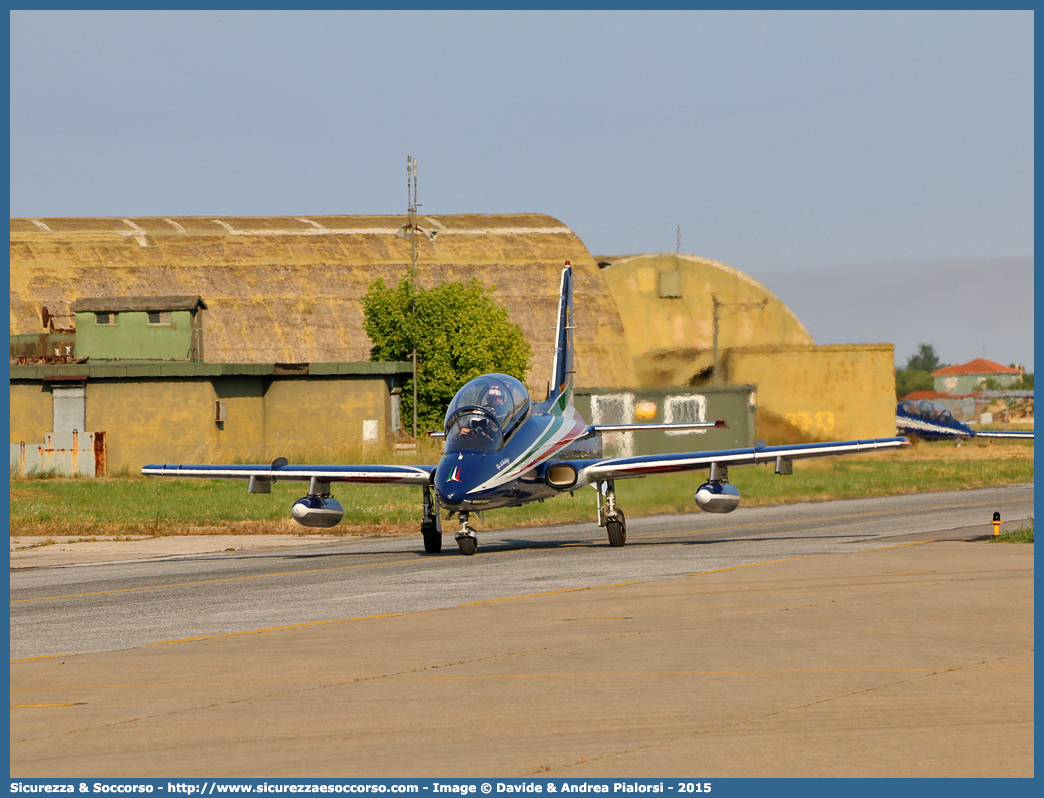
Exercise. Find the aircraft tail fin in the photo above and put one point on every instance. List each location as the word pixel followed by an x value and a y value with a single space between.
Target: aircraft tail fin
pixel 561 393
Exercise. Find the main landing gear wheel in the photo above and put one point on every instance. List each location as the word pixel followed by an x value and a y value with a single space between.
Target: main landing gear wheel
pixel 432 537
pixel 431 529
pixel 468 545
pixel 609 515
pixel 617 529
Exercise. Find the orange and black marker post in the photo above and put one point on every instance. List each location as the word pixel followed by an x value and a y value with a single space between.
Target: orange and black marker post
pixel 996 524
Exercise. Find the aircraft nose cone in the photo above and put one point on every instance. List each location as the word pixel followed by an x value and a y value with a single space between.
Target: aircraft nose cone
pixel 456 477
pixel 450 495
pixel 448 483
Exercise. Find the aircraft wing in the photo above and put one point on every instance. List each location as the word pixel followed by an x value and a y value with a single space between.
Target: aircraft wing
pixel 673 426
pixel 782 456
pixel 1016 434
pixel 418 475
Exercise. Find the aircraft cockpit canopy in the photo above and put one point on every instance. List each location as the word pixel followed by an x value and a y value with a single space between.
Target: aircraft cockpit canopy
pixel 485 412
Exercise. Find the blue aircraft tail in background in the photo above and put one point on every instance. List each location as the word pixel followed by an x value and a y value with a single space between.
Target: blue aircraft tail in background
pixel 561 390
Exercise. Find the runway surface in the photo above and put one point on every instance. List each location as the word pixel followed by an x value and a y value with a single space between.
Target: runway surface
pixel 101 607
pixel 842 639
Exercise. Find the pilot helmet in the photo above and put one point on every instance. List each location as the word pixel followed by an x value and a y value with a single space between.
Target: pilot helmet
pixel 495 397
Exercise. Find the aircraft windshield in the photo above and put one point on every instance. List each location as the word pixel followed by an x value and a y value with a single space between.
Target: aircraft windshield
pixel 501 400
pixel 503 396
pixel 474 430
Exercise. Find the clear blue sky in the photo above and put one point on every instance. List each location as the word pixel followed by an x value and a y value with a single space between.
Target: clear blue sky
pixel 839 157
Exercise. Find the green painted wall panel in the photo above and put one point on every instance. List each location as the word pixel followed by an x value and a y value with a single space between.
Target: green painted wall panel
pixel 132 337
pixel 732 403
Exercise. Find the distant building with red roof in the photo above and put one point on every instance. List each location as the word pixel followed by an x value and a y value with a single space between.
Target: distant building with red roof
pixel 931 396
pixel 965 378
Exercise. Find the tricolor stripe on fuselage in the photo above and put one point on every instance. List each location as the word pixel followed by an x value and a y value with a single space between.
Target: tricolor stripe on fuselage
pixel 560 432
pixel 925 427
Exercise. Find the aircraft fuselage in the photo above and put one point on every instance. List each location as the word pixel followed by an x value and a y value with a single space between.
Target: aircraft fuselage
pixel 471 479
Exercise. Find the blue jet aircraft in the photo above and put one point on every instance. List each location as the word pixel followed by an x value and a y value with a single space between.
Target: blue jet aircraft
pixel 504 450
pixel 935 422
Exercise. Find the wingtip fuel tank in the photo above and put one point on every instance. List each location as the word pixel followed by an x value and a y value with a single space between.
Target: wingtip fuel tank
pixel 717 497
pixel 317 511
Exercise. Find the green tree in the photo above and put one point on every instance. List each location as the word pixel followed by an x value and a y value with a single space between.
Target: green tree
pixel 917 374
pixel 924 360
pixel 907 381
pixel 460 333
pixel 1024 383
pixel 991 384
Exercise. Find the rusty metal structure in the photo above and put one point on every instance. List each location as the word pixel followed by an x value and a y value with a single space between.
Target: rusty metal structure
pixel 68 453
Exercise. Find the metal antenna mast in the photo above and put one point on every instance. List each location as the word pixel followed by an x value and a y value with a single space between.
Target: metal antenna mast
pixel 411 201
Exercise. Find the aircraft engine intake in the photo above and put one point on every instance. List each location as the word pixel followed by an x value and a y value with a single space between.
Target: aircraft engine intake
pixel 560 476
pixel 717 497
pixel 317 511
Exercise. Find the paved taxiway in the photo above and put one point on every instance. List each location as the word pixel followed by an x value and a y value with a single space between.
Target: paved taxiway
pixel 816 639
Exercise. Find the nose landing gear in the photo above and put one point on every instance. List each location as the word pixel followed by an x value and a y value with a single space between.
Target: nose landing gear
pixel 609 515
pixel 465 536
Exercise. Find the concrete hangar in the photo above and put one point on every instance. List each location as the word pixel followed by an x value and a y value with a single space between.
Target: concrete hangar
pixel 138 340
